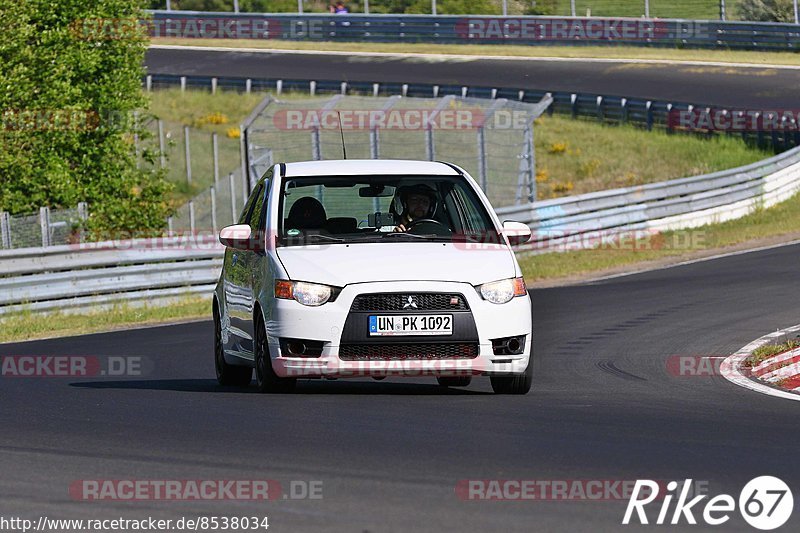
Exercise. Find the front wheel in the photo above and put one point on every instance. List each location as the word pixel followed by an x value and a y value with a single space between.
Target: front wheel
pixel 514 383
pixel 227 375
pixel 266 379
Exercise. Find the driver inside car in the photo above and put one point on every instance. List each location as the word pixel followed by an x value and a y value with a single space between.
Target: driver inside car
pixel 418 202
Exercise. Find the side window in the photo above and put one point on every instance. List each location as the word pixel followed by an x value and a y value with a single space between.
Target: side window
pixel 472 219
pixel 258 218
pixel 248 207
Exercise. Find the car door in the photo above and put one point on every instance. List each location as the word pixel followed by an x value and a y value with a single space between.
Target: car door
pixel 238 287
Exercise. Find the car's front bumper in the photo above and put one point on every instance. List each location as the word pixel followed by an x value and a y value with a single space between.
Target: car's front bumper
pixel 326 323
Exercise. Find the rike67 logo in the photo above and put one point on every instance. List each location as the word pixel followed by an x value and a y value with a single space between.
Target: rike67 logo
pixel 765 503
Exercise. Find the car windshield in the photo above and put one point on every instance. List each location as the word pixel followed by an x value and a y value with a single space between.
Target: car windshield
pixel 346 209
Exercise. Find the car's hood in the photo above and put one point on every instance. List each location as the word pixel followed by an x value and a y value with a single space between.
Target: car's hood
pixel 340 265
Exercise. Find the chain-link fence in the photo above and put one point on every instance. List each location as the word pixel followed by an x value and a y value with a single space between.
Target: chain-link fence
pixel 48 227
pixel 485 137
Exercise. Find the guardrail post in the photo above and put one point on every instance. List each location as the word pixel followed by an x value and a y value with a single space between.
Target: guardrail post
pixel 722 10
pixel 404 89
pixel 169 227
pixel 574 101
pixel 600 112
pixel 312 88
pixel 430 151
pixel 183 84
pixel 192 227
pixel 572 7
pixel 187 154
pixel 162 144
pixel 669 127
pixel 279 87
pixel 248 85
pixel 375 89
pixel 215 155
pixel 5 229
pixel 624 108
pixel 647 9
pixel 44 224
pixel 213 85
pixel 796 13
pixel 344 87
pixel 149 82
pixel 649 107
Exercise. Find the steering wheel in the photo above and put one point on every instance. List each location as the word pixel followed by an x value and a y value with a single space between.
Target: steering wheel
pixel 429 221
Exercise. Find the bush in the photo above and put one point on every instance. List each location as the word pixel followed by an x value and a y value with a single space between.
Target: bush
pixel 70 87
pixel 767 10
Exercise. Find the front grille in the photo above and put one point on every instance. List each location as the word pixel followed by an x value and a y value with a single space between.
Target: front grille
pixel 385 352
pixel 425 301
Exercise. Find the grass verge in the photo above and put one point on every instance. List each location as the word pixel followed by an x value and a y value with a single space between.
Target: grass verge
pixel 779 223
pixel 521 51
pixel 30 326
pixel 769 350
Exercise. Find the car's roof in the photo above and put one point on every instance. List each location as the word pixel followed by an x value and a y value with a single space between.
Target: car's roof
pixel 368 167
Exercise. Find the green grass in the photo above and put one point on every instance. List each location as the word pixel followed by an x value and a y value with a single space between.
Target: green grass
pixel 29 325
pixel 607 52
pixel 578 156
pixel 780 220
pixel 767 351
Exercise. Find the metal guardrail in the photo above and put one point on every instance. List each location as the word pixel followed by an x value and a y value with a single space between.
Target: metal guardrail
pixel 469 29
pixel 102 274
pixel 676 204
pixel 75 277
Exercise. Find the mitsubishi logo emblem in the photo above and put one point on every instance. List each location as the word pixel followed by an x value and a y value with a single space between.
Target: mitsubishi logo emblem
pixel 410 303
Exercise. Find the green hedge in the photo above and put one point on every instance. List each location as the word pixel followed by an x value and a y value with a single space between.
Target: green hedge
pixel 71 80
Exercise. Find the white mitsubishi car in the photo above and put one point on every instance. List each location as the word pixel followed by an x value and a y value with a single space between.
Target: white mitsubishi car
pixel 371 268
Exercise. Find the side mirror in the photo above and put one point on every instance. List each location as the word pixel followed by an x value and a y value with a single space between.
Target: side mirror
pixel 240 237
pixel 517 232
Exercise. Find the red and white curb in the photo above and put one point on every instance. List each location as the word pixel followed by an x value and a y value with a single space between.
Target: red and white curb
pixel 764 378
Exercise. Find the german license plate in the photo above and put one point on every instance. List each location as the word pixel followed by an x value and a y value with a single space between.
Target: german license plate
pixel 411 324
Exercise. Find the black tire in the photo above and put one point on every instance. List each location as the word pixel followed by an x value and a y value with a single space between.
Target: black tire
pixel 454 381
pixel 227 375
pixel 266 379
pixel 514 383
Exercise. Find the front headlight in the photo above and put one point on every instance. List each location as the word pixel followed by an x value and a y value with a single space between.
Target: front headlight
pixel 500 292
pixel 311 294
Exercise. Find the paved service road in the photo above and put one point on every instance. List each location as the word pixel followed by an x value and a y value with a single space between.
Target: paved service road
pixel 390 453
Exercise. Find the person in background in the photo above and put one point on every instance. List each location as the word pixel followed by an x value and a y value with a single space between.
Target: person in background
pixel 340 8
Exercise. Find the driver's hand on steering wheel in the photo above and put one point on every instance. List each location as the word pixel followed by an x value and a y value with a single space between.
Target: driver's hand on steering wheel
pixel 402 227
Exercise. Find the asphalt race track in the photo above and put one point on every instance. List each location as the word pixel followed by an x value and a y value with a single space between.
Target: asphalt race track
pixel 738 87
pixel 390 453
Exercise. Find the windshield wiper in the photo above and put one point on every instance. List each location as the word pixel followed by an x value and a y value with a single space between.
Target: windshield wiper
pixel 325 238
pixel 415 236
